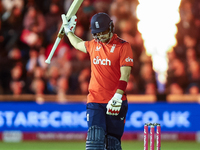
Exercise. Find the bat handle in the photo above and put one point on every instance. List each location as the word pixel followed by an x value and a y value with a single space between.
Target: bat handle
pixel 48 60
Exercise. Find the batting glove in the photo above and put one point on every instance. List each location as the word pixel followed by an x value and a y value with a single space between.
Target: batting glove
pixel 69 26
pixel 114 105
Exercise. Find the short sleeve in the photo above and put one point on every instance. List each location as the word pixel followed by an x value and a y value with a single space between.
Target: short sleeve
pixel 87 46
pixel 126 55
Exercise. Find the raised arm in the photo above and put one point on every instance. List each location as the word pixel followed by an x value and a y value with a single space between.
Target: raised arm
pixel 69 27
pixel 77 42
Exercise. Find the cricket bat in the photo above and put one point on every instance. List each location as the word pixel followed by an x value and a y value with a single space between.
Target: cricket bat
pixel 71 12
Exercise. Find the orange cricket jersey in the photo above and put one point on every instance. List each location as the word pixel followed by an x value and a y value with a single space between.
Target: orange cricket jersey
pixel 106 60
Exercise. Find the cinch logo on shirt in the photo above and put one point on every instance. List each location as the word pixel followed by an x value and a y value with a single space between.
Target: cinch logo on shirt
pixel 129 59
pixel 97 61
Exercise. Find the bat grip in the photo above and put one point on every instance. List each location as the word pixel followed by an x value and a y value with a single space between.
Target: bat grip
pixel 61 32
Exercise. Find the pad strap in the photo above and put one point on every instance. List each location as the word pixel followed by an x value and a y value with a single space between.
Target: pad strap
pixel 113 143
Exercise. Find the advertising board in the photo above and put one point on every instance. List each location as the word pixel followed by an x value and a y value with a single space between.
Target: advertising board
pixel 33 117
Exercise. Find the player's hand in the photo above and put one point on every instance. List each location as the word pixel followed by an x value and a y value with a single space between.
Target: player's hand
pixel 114 106
pixel 69 26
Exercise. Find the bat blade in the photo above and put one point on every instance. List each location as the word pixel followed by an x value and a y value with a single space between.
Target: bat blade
pixel 48 60
pixel 73 8
pixel 71 12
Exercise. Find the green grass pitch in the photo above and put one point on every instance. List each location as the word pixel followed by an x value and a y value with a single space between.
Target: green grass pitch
pixel 76 145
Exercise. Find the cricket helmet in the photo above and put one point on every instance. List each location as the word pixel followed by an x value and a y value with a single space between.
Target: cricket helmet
pixel 101 22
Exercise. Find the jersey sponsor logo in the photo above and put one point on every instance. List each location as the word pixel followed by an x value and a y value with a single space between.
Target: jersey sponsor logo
pixel 113 48
pixel 129 59
pixel 98 61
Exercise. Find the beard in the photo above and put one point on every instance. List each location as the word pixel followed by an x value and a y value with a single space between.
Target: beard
pixel 105 38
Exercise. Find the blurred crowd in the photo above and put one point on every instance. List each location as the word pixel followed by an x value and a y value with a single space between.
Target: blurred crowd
pixel 28 29
pixel 184 65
